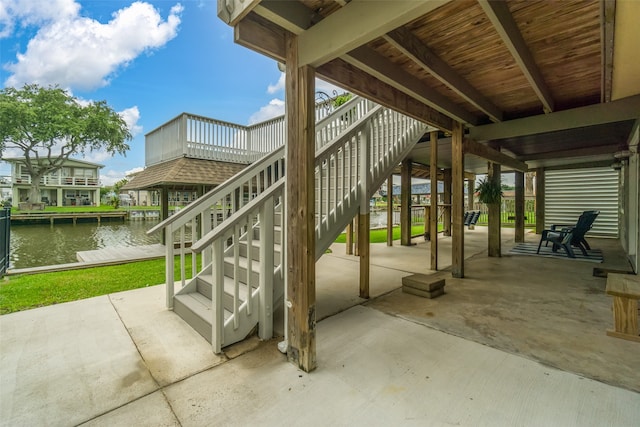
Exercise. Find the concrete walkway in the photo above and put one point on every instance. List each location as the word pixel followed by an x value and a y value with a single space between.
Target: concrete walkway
pixel 123 359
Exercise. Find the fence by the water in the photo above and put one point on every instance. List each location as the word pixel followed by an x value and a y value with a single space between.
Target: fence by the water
pixel 507 213
pixel 5 232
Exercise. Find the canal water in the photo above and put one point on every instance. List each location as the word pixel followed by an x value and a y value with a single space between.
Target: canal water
pixel 35 245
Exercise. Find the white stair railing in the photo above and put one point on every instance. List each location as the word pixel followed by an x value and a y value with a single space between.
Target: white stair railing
pixel 256 294
pixel 376 144
pixel 198 218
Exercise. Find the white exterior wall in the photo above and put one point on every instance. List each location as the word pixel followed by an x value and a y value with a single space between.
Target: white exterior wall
pixel 570 192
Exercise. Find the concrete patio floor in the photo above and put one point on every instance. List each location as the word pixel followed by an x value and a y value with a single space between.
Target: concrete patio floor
pixel 519 341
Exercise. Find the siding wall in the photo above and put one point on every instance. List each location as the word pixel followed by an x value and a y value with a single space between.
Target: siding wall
pixel 570 192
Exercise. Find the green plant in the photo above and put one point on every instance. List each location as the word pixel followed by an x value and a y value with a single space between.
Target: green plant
pixel 341 99
pixel 489 191
pixel 115 202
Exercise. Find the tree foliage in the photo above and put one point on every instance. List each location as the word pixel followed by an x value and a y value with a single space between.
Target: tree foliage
pixel 48 126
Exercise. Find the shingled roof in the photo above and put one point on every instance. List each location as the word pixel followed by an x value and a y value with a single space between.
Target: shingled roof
pixel 183 172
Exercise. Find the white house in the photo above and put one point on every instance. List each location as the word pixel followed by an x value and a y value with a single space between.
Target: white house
pixel 77 183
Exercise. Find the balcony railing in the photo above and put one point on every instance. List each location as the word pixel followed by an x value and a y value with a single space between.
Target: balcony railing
pixel 190 135
pixel 59 181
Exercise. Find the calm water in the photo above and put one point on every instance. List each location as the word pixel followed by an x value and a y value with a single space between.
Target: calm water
pixel 37 245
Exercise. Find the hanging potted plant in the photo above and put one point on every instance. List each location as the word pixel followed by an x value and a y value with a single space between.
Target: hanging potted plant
pixel 489 192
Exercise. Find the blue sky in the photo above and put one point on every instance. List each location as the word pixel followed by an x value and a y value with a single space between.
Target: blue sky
pixel 150 60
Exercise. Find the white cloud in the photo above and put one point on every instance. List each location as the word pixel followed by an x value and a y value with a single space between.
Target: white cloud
pixel 34 12
pixel 275 108
pixel 328 88
pixel 110 177
pixel 131 117
pixel 134 170
pixel 279 86
pixel 97 156
pixel 78 52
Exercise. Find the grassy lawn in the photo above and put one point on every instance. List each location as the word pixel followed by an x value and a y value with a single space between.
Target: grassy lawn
pixel 380 236
pixel 38 290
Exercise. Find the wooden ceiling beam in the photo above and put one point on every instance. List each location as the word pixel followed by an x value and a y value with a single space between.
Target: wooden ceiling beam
pixel 607 18
pixel 413 47
pixel 591 115
pixel 232 11
pixel 290 15
pixel 258 34
pixel 418 170
pixel 576 152
pixel 356 24
pixel 472 147
pixel 381 68
pixel 498 13
pixel 357 81
pixel 582 165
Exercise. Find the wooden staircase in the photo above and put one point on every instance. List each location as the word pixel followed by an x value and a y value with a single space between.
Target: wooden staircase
pixel 237 229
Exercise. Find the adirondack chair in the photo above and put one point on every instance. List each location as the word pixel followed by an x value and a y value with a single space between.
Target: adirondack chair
pixel 566 237
pixel 472 219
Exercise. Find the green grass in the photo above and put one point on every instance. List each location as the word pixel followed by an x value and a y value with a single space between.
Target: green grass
pixel 23 292
pixel 380 236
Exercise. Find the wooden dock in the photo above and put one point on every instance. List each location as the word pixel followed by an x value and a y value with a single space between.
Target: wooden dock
pixel 122 253
pixel 100 257
pixel 73 216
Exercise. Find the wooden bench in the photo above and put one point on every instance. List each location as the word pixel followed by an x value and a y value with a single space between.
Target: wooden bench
pixel 625 289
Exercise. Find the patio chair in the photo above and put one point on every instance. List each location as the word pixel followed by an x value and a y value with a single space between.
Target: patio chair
pixel 473 218
pixel 559 227
pixel 566 237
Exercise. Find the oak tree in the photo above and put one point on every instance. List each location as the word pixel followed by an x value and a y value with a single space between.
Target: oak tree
pixel 47 126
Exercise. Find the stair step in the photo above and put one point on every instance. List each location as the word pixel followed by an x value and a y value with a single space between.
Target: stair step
pixel 205 288
pixel 277 234
pixel 195 309
pixel 255 249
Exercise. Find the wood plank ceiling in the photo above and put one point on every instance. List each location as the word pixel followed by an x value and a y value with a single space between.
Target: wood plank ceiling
pixel 484 63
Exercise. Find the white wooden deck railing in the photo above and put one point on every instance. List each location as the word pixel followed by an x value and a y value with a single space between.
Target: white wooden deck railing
pixel 190 135
pixel 57 181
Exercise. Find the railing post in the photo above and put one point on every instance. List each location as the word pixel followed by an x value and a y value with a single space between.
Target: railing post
pixel 183 134
pixel 265 329
pixel 217 309
pixel 169 265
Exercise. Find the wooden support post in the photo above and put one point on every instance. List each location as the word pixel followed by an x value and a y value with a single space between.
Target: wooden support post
pixel 356 231
pixel 539 200
pixel 300 186
pixel 390 210
pixel 363 244
pixel 365 221
pixel 457 202
pixel 519 231
pixel 447 202
pixel 405 203
pixel 494 214
pixel 471 191
pixel 349 232
pixel 433 172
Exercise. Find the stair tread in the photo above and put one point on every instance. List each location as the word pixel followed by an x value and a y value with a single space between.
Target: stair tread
pixel 200 305
pixel 229 285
